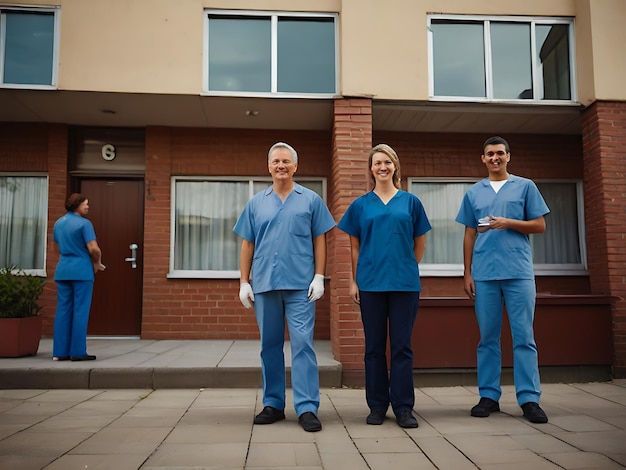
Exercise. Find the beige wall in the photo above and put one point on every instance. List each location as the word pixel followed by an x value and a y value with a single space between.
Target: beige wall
pixel 150 46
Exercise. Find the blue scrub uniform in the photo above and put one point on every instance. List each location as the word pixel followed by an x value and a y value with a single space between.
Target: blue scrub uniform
pixel 502 269
pixel 387 275
pixel 74 277
pixel 283 267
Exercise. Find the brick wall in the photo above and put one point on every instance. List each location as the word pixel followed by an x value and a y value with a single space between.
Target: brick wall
pixel 604 153
pixel 206 308
pixel 40 148
pixel 352 141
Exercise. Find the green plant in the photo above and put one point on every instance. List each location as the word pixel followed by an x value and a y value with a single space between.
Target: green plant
pixel 19 293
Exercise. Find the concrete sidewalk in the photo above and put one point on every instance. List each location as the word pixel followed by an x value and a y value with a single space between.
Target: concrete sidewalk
pixel 190 404
pixel 155 364
pixel 212 428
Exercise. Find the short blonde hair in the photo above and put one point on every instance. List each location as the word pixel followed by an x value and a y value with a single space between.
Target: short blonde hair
pixel 391 153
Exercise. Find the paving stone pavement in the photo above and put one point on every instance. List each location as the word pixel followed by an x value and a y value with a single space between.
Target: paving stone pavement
pixel 93 415
pixel 212 429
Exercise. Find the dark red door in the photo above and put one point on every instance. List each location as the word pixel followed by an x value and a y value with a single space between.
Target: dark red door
pixel 116 211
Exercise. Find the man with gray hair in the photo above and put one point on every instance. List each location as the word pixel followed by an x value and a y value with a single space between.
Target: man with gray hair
pixel 282 264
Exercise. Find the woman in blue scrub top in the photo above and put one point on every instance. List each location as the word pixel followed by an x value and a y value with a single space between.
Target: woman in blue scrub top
pixel 74 276
pixel 387 228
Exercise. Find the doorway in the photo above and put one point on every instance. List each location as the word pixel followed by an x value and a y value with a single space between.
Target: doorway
pixel 116 211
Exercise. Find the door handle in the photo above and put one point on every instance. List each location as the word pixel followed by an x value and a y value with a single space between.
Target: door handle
pixel 133 255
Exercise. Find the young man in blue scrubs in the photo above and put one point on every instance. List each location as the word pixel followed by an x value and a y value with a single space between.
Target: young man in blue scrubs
pixel 282 264
pixel 499 213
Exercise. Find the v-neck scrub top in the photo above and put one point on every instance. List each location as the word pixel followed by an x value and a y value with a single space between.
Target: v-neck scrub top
pixel 71 233
pixel 502 254
pixel 282 234
pixel 386 236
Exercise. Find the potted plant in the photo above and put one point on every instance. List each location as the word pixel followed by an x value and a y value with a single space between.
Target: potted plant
pixel 20 322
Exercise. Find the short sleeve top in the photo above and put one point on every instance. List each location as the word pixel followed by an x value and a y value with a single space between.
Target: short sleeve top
pixel 71 233
pixel 282 234
pixel 386 234
pixel 502 254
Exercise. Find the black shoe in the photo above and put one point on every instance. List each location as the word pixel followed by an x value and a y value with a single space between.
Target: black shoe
pixel 61 358
pixel 534 413
pixel 485 407
pixel 309 422
pixel 269 415
pixel 376 416
pixel 406 420
pixel 88 357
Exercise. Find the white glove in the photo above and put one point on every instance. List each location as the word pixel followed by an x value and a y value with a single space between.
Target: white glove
pixel 245 294
pixel 316 288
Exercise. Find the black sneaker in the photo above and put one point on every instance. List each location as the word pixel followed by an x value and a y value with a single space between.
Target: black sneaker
pixel 406 420
pixel 485 407
pixel 534 413
pixel 376 416
pixel 309 422
pixel 269 415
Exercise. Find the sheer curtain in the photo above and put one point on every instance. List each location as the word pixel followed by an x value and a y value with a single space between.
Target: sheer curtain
pixel 205 214
pixel 560 244
pixel 442 201
pixel 23 221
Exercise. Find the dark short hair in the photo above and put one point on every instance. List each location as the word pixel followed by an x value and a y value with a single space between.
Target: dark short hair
pixel 496 140
pixel 73 201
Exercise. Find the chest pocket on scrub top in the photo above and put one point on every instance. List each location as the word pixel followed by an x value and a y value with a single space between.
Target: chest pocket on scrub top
pixel 300 225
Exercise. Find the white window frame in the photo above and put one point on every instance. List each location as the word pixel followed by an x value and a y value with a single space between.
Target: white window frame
pixel 36 272
pixel 251 180
pixel 273 16
pixel 55 49
pixel 456 270
pixel 487 20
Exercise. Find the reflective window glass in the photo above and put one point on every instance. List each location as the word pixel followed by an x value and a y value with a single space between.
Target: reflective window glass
pixel 511 61
pixel 553 61
pixel 28 48
pixel 240 57
pixel 458 58
pixel 306 55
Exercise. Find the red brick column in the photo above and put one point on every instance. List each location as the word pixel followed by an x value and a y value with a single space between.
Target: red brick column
pixel 351 140
pixel 57 193
pixel 157 320
pixel 604 158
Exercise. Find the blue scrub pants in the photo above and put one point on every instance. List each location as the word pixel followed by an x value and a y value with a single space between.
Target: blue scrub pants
pixel 519 297
pixel 396 310
pixel 272 308
pixel 71 318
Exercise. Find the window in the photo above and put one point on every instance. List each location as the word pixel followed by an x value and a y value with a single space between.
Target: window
pixel 261 53
pixel 23 222
pixel 28 45
pixel 204 212
pixel 560 250
pixel 504 59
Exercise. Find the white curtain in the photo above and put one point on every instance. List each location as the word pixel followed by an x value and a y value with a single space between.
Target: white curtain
pixel 560 244
pixel 206 212
pixel 23 219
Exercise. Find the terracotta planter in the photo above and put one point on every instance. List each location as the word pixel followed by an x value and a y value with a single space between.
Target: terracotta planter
pixel 20 336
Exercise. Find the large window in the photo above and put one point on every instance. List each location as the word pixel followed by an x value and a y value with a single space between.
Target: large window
pixel 23 222
pixel 28 40
pixel 560 250
pixel 260 53
pixel 504 59
pixel 204 212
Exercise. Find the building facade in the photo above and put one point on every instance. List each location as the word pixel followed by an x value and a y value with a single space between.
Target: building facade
pixel 162 114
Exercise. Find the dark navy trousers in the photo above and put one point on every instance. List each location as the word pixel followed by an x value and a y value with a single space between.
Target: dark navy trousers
pixel 392 312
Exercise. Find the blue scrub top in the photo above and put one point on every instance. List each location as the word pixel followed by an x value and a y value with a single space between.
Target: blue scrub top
pixel 72 232
pixel 386 236
pixel 282 234
pixel 502 254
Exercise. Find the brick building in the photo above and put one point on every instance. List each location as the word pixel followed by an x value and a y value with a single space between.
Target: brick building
pixel 162 114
